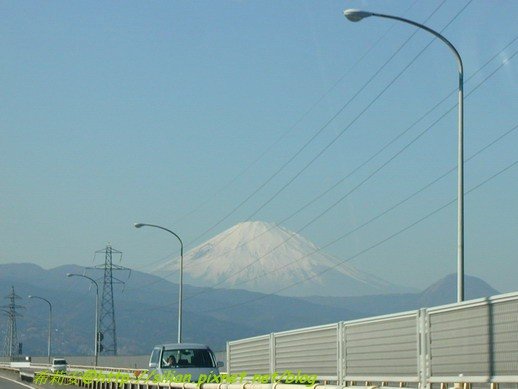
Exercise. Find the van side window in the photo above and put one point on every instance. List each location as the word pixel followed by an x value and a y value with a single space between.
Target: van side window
pixel 155 356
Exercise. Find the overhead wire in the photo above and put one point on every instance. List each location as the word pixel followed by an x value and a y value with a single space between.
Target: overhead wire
pixel 386 211
pixel 493 142
pixel 329 144
pixel 369 159
pixel 298 120
pixel 333 141
pixel 372 174
pixel 372 246
pixel 393 140
pixel 320 130
pixel 292 127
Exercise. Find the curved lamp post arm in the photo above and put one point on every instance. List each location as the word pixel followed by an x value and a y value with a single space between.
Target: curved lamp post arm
pixel 82 275
pixel 433 32
pixel 355 15
pixel 138 225
pixel 41 298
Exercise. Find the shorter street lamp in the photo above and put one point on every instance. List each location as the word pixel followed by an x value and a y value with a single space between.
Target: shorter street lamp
pixel 180 298
pixel 96 342
pixel 49 340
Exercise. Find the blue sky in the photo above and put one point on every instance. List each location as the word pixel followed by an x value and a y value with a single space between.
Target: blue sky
pixel 114 113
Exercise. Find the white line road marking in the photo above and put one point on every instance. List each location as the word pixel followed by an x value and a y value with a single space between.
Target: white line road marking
pixel 17 382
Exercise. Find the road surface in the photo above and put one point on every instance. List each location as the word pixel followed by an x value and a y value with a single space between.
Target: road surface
pixel 11 380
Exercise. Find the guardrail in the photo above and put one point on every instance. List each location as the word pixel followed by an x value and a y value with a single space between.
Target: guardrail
pixel 46 366
pixel 111 383
pixel 470 342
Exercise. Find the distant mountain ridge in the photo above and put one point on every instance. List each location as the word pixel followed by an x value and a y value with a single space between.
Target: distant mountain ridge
pixel 263 257
pixel 441 292
pixel 146 312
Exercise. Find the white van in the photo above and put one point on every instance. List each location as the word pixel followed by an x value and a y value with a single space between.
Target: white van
pixel 59 365
pixel 183 359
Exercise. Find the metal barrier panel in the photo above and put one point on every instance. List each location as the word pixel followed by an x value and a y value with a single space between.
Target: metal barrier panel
pixel 312 350
pixel 504 337
pixel 386 346
pixel 470 342
pixel 478 338
pixel 251 355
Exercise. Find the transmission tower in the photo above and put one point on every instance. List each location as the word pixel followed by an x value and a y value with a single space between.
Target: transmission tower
pixel 11 345
pixel 107 333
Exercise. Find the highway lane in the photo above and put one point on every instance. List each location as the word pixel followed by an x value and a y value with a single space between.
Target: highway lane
pixel 11 380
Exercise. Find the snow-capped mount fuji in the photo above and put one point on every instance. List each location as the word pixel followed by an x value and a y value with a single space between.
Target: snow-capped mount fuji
pixel 263 257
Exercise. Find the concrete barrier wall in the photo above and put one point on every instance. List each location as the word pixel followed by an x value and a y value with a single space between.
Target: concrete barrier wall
pixel 130 361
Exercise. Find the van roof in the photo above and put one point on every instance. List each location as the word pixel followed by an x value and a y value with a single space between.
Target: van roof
pixel 182 345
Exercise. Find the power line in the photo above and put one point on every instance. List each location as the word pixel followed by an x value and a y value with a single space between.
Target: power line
pixel 467 95
pixel 326 124
pixel 380 150
pixel 297 121
pixel 340 134
pixel 375 245
pixel 386 211
pixel 284 134
pixel 490 144
pixel 239 271
pixel 475 88
pixel 394 139
pixel 376 171
pixel 399 232
pixel 335 139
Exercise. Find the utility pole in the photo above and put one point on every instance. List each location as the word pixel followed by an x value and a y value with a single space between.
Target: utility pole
pixel 11 346
pixel 107 333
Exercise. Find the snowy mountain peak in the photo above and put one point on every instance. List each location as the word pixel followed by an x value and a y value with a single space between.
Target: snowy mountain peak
pixel 257 239
pixel 265 257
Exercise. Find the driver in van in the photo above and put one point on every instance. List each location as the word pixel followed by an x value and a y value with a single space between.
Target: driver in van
pixel 170 361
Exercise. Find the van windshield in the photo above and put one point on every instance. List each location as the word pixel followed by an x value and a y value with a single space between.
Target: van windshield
pixel 187 358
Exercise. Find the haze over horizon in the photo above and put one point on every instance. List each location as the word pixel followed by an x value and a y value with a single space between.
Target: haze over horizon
pixel 198 116
pixel 143 320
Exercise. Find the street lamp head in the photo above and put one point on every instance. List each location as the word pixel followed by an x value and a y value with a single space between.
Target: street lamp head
pixel 355 15
pixel 138 225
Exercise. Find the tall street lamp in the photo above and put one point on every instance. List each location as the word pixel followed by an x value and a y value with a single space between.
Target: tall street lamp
pixel 138 225
pixel 96 343
pixel 49 340
pixel 355 15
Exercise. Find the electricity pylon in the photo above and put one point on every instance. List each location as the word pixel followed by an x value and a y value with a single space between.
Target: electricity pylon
pixel 107 333
pixel 11 345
